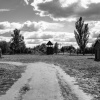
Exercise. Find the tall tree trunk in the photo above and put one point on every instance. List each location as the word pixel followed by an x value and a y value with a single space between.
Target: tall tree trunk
pixel 83 51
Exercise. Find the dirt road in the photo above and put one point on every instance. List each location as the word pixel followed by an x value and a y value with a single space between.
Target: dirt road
pixel 43 81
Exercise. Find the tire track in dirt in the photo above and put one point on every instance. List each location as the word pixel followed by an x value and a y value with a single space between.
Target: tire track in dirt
pixel 42 81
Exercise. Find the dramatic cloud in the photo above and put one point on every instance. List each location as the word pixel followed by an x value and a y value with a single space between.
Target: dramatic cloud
pixel 95 34
pixel 2 38
pixel 30 26
pixel 38 35
pixel 6 29
pixel 39 26
pixel 95 29
pixel 43 37
pixel 67 9
pixel 30 30
pixel 8 25
pixel 4 25
pixel 41 32
pixel 26 1
pixel 92 12
pixel 6 34
pixel 32 43
pixel 53 9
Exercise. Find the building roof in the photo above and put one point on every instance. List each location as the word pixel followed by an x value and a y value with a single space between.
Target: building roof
pixel 49 43
pixel 96 42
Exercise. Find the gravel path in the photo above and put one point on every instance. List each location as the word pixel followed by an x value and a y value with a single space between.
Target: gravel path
pixel 43 81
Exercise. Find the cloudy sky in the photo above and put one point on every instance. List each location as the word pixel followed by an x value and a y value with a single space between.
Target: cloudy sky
pixel 43 20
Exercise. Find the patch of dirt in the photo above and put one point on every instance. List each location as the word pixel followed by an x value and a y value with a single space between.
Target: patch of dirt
pixel 23 91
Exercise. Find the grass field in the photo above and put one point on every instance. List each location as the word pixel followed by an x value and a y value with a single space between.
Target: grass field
pixel 83 68
pixel 8 75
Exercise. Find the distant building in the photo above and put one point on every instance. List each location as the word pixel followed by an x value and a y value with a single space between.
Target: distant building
pixel 97 50
pixel 49 48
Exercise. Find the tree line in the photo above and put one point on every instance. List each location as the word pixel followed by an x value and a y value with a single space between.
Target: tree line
pixel 81 35
pixel 17 45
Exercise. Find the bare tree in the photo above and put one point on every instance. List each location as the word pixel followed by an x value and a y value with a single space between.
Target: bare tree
pixel 81 34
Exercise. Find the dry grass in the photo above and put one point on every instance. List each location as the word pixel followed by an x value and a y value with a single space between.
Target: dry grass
pixel 83 68
pixel 8 75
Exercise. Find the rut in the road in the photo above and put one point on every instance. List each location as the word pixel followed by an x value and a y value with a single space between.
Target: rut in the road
pixel 43 83
pixel 40 82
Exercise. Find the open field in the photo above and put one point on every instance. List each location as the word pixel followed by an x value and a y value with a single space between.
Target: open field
pixel 83 68
pixel 8 75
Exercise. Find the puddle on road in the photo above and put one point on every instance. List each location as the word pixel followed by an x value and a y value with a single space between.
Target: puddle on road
pixel 13 92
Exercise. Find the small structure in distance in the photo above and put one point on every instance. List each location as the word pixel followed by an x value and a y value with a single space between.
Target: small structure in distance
pixel 49 48
pixel 97 49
